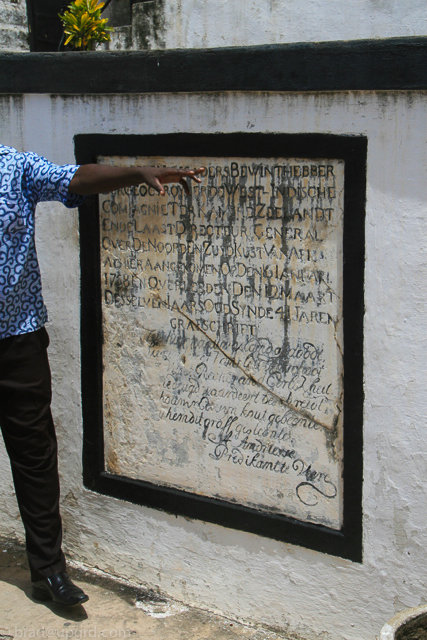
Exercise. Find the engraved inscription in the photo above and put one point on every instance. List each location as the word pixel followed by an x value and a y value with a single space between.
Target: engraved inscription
pixel 223 340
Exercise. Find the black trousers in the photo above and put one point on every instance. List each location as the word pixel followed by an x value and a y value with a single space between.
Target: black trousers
pixel 30 440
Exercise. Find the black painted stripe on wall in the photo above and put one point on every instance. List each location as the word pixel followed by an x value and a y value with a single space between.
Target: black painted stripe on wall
pixel 380 65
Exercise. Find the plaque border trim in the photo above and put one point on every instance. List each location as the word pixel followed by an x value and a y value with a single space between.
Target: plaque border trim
pixel 345 543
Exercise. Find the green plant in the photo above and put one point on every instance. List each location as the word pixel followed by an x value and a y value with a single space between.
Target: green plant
pixel 84 26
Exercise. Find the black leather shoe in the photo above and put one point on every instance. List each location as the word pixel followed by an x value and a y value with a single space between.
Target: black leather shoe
pixel 60 589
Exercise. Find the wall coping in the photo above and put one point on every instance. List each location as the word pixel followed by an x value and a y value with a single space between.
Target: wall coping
pixel 392 64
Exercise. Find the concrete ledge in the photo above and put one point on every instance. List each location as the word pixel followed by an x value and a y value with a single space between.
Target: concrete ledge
pixel 391 64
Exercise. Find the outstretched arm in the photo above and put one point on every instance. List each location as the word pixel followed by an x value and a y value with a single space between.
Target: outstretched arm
pixel 102 178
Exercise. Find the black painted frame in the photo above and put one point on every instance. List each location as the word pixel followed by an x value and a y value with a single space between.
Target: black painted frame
pixel 346 543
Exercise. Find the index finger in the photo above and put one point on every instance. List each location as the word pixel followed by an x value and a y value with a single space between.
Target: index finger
pixel 193 173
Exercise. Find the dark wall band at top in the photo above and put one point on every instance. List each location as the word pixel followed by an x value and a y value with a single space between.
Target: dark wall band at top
pixel 391 64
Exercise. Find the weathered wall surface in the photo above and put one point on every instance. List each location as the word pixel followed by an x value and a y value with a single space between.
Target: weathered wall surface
pixel 168 24
pixel 160 24
pixel 228 382
pixel 304 591
pixel 13 25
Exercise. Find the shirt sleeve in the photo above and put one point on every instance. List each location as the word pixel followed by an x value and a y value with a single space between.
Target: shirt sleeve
pixel 46 181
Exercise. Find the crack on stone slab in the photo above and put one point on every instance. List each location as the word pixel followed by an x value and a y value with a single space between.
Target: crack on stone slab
pixel 328 429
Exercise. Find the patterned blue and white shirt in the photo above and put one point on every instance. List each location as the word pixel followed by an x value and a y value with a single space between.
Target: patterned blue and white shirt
pixel 25 180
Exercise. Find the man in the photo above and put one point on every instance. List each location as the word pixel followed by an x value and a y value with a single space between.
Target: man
pixel 25 383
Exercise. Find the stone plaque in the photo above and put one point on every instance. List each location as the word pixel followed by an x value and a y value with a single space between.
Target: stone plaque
pixel 222 333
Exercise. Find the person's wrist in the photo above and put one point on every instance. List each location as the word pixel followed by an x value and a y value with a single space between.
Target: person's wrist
pixel 144 173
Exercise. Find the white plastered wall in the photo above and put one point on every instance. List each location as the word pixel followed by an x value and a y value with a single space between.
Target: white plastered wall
pixel 200 23
pixel 240 574
pixel 203 24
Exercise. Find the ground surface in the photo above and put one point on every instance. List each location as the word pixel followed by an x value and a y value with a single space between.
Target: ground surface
pixel 114 611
